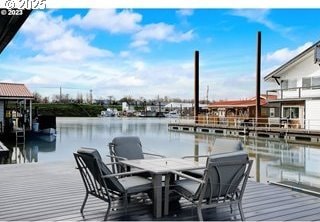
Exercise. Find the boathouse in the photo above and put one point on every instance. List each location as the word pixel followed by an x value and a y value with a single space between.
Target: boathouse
pixel 15 107
pixel 297 86
pixel 240 108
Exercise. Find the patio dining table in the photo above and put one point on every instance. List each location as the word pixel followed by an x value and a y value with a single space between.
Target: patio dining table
pixel 162 167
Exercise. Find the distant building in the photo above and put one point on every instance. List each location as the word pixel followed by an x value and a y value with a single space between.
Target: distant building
pixel 184 108
pixel 240 108
pixel 156 107
pixel 126 107
pixel 15 107
pixel 297 86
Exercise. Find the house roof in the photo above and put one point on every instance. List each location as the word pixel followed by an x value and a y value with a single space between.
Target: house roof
pixel 9 26
pixel 14 90
pixel 241 103
pixel 277 72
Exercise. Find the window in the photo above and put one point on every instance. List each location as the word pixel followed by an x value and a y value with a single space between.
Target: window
pixel 284 84
pixel 288 84
pixel 306 83
pixel 316 82
pixel 292 83
pixel 311 82
pixel 272 112
pixel 291 112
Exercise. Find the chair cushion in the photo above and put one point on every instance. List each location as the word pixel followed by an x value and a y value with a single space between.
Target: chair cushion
pixel 128 147
pixel 135 184
pixel 187 187
pixel 222 145
pixel 112 182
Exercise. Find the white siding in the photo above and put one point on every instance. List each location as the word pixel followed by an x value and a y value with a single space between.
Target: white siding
pixel 304 68
pixel 313 114
pixel 1 114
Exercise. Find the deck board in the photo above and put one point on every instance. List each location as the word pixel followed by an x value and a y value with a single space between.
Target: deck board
pixel 54 191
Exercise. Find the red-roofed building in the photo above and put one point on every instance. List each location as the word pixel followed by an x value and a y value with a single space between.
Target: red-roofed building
pixel 15 107
pixel 240 108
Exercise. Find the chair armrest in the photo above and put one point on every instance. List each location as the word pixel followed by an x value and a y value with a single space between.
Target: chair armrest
pixel 152 154
pixel 125 174
pixel 187 176
pixel 117 157
pixel 113 163
pixel 184 157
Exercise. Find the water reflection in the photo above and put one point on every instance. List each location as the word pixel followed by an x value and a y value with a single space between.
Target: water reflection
pixel 280 162
pixel 28 152
pixel 274 160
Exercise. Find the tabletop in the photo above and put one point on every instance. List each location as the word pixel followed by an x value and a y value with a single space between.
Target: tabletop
pixel 163 165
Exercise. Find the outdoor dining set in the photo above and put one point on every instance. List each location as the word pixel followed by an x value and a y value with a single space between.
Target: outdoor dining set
pixel 220 180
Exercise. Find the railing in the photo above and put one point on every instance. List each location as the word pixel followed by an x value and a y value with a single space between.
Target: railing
pixel 251 123
pixel 295 92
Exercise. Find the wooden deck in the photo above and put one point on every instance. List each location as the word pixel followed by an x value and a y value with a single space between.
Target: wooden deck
pixel 54 191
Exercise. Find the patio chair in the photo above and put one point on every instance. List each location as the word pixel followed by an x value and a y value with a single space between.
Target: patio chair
pixel 223 182
pixel 101 183
pixel 221 145
pixel 127 148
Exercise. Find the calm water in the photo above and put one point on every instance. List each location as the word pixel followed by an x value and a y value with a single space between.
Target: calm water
pixel 273 160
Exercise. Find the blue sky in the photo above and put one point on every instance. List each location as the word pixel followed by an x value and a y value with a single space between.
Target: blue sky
pixel 149 52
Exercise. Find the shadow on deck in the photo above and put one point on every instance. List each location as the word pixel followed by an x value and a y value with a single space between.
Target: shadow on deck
pixel 55 192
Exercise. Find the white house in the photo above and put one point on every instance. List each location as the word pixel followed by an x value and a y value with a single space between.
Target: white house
pixel 126 107
pixel 297 86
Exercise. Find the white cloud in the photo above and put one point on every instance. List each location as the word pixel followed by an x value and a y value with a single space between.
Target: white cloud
pixel 162 31
pixel 43 26
pixel 124 54
pixel 110 20
pixel 285 54
pixel 260 16
pixel 138 43
pixel 159 32
pixel 184 12
pixel 51 39
pixel 139 65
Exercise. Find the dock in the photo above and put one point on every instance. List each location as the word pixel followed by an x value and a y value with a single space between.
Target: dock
pixel 289 134
pixel 54 192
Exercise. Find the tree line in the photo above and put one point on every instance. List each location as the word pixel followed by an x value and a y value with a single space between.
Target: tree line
pixel 108 100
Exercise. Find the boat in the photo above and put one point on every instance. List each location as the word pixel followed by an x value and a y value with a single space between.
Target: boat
pixel 48 131
pixel 172 114
pixel 151 114
pixel 108 113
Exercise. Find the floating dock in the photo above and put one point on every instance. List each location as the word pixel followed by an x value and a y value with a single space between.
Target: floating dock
pixel 291 134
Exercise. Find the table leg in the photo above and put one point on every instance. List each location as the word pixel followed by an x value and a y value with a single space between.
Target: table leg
pixel 157 195
pixel 166 194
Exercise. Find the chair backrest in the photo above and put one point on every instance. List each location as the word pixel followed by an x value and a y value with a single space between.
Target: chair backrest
pixel 128 147
pixel 223 145
pixel 223 176
pixel 92 169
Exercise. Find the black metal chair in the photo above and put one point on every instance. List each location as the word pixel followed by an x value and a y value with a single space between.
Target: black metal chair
pixel 220 146
pixel 223 182
pixel 101 183
pixel 127 148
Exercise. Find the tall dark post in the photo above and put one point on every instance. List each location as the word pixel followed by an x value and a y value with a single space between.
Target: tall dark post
pixel 196 85
pixel 196 148
pixel 258 77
